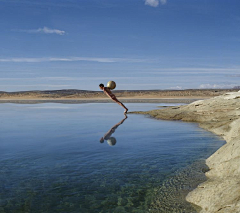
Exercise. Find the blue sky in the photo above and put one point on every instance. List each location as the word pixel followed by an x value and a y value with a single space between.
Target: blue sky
pixel 140 44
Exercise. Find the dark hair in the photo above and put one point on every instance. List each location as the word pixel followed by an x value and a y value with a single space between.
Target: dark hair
pixel 101 85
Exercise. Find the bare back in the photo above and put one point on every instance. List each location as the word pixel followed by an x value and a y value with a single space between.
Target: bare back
pixel 108 92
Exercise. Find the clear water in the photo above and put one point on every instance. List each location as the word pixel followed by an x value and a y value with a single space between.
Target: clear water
pixel 91 158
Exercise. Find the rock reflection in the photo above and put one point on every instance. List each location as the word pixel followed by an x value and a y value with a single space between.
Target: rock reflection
pixel 108 136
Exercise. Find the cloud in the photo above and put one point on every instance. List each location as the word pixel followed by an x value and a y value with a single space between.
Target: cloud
pixel 44 30
pixel 196 70
pixel 73 79
pixel 72 59
pixel 155 3
pixel 163 1
pixel 152 3
pixel 38 85
pixel 217 86
pixel 234 75
pixel 176 88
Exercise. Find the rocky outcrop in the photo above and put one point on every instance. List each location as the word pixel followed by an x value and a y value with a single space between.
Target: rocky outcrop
pixel 221 115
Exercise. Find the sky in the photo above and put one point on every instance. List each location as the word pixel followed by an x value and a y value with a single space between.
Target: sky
pixel 139 44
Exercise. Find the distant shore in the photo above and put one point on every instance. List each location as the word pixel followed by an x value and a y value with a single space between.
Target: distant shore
pixel 127 96
pixel 82 101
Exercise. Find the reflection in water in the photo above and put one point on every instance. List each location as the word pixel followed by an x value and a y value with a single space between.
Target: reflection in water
pixel 64 171
pixel 112 140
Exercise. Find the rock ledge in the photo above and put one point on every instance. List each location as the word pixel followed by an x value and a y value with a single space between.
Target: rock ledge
pixel 220 115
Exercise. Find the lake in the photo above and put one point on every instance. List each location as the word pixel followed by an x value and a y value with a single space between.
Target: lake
pixel 92 158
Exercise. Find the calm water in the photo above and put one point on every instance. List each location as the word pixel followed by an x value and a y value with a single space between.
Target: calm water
pixel 91 158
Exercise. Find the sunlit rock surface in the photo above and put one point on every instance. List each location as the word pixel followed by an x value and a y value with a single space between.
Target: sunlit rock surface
pixel 221 115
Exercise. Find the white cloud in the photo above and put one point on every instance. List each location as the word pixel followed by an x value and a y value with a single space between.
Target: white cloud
pixel 176 88
pixel 152 3
pixel 163 1
pixel 38 85
pixel 51 31
pixel 74 79
pixel 196 70
pixel 234 75
pixel 155 3
pixel 20 60
pixel 45 30
pixel 217 86
pixel 72 59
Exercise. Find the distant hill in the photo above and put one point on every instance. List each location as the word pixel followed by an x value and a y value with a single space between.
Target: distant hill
pixel 86 94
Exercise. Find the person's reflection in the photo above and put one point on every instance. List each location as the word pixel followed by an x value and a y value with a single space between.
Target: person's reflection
pixel 111 140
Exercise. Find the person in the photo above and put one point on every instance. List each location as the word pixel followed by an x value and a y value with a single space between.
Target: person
pixel 108 136
pixel 108 92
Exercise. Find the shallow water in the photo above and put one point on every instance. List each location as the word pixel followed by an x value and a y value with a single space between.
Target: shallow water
pixel 91 158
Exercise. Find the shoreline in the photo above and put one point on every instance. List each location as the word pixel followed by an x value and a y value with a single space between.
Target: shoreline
pixel 220 115
pixel 102 100
pixel 75 94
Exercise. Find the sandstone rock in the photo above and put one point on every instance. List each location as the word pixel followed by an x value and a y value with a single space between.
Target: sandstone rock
pixel 220 115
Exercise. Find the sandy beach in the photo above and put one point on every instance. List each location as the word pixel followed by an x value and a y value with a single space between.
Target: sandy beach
pixel 220 115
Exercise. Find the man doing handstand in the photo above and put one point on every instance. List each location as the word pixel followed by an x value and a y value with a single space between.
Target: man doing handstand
pixel 108 92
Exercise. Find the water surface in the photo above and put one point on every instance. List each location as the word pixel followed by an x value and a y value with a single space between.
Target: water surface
pixel 91 158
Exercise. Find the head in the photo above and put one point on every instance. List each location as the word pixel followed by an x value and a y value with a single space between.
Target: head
pixel 101 140
pixel 101 86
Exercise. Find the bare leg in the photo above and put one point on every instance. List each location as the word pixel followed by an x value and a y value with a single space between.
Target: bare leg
pixel 120 103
